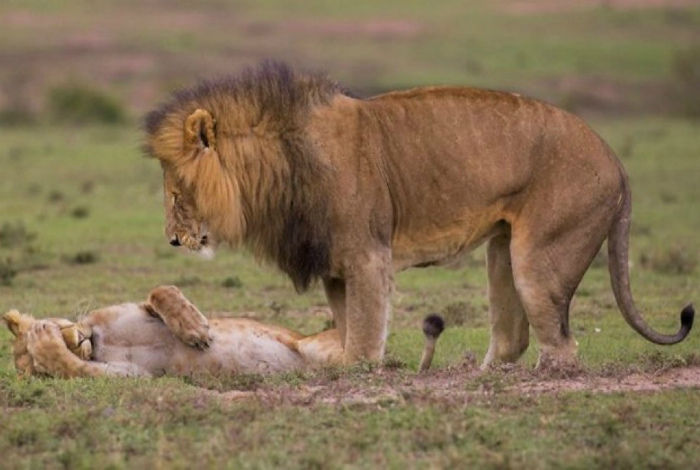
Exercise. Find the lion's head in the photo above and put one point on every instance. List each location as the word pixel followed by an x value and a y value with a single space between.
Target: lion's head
pixel 183 224
pixel 201 200
pixel 76 336
pixel 237 168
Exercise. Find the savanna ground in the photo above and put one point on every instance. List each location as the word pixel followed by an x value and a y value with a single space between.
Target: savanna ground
pixel 81 227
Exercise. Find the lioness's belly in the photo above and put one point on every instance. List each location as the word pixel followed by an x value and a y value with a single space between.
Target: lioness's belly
pixel 239 346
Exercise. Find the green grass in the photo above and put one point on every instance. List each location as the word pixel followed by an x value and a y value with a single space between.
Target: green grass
pixel 170 421
pixel 163 423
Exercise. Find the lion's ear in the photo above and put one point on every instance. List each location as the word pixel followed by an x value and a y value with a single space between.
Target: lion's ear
pixel 199 129
pixel 13 319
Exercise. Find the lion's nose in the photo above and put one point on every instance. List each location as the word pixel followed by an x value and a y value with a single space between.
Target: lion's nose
pixel 175 241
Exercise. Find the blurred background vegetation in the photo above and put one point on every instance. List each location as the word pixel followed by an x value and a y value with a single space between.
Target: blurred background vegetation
pixel 74 61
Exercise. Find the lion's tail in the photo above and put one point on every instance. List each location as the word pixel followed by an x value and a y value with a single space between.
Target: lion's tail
pixel 618 256
pixel 433 326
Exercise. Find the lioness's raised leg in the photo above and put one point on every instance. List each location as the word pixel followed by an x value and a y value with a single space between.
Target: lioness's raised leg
pixel 51 356
pixel 510 329
pixel 180 316
pixel 335 293
pixel 368 283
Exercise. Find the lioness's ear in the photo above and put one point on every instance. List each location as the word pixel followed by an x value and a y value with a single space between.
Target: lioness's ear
pixel 13 319
pixel 199 129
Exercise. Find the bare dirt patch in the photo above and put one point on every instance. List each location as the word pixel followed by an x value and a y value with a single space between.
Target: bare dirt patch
pixel 455 385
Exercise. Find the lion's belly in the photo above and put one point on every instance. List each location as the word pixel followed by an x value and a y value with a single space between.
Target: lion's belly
pixel 444 242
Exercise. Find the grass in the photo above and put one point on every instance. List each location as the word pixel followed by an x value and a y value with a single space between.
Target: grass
pixel 170 421
pixel 163 423
pixel 81 226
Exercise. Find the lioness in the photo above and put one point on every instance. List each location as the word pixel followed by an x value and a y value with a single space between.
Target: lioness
pixel 350 190
pixel 162 336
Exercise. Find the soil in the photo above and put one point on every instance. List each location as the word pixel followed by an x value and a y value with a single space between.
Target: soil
pixel 458 385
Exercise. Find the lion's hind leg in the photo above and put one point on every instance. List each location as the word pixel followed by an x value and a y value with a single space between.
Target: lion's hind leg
pixel 182 318
pixel 510 329
pixel 546 271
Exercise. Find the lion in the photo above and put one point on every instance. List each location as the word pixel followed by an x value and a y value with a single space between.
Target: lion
pixel 167 335
pixel 348 191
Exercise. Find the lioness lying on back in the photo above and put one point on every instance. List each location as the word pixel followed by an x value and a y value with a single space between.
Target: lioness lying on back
pixel 166 335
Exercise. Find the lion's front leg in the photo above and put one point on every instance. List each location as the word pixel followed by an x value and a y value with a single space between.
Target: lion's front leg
pixel 368 286
pixel 182 318
pixel 335 293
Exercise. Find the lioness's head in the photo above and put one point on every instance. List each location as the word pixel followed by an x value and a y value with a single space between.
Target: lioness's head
pixel 76 336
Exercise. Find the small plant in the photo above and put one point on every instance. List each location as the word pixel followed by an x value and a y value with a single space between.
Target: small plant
pixel 7 272
pixel 232 283
pixel 14 235
pixel 80 212
pixel 56 196
pixel 276 307
pixel 83 257
pixel 78 104
pixel 394 363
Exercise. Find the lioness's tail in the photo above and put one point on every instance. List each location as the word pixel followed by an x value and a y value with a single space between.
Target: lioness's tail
pixel 618 251
pixel 433 326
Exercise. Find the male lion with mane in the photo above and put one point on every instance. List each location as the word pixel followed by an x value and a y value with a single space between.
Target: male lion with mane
pixel 328 186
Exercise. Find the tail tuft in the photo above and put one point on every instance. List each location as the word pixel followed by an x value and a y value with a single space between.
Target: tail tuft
pixel 434 325
pixel 687 316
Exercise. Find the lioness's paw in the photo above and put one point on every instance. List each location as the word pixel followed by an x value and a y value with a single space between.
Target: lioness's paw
pixel 192 330
pixel 182 318
pixel 46 345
